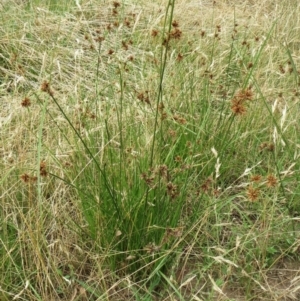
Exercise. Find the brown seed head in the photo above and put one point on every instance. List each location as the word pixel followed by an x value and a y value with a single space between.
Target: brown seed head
pixel 178 159
pixel 25 178
pixel 271 181
pixel 164 172
pixel 147 178
pixel 172 133
pixel 45 87
pixel 116 4
pixel 99 39
pixel 237 107
pixel 179 57
pixel 43 171
pixel 175 24
pixel 243 95
pixel 256 178
pixel 154 32
pixel 252 193
pixel 130 58
pixel 172 190
pixel 281 69
pixel 127 23
pixel 250 65
pixel 179 119
pixel 207 185
pixel 270 147
pixel 176 34
pixel 125 45
pixel 26 102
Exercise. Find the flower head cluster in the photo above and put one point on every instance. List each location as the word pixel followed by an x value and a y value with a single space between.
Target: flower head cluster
pixel 238 102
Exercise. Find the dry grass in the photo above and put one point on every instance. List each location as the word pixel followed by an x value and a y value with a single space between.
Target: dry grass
pixel 227 131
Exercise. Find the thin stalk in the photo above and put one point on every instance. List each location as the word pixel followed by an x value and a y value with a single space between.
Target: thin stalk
pixel 163 61
pixel 89 153
pixel 39 150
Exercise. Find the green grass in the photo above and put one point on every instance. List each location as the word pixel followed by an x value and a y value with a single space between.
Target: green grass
pixel 150 151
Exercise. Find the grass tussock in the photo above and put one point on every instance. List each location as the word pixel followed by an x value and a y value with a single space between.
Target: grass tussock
pixel 149 151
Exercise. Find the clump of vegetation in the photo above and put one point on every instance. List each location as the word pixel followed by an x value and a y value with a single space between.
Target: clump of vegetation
pixel 149 151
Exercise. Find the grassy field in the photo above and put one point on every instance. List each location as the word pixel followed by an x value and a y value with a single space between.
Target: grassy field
pixel 150 150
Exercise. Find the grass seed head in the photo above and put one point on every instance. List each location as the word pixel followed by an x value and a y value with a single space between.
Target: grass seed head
pixel 238 108
pixel 116 4
pixel 25 178
pixel 45 87
pixel 256 178
pixel 43 169
pixel 26 102
pixel 271 181
pixel 179 57
pixel 154 33
pixel 253 193
pixel 175 24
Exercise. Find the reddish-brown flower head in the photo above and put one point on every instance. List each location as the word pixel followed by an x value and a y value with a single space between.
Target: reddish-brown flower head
pixel 271 181
pixel 26 102
pixel 252 193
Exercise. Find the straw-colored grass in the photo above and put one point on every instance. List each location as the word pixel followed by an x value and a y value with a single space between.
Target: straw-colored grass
pixel 150 150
